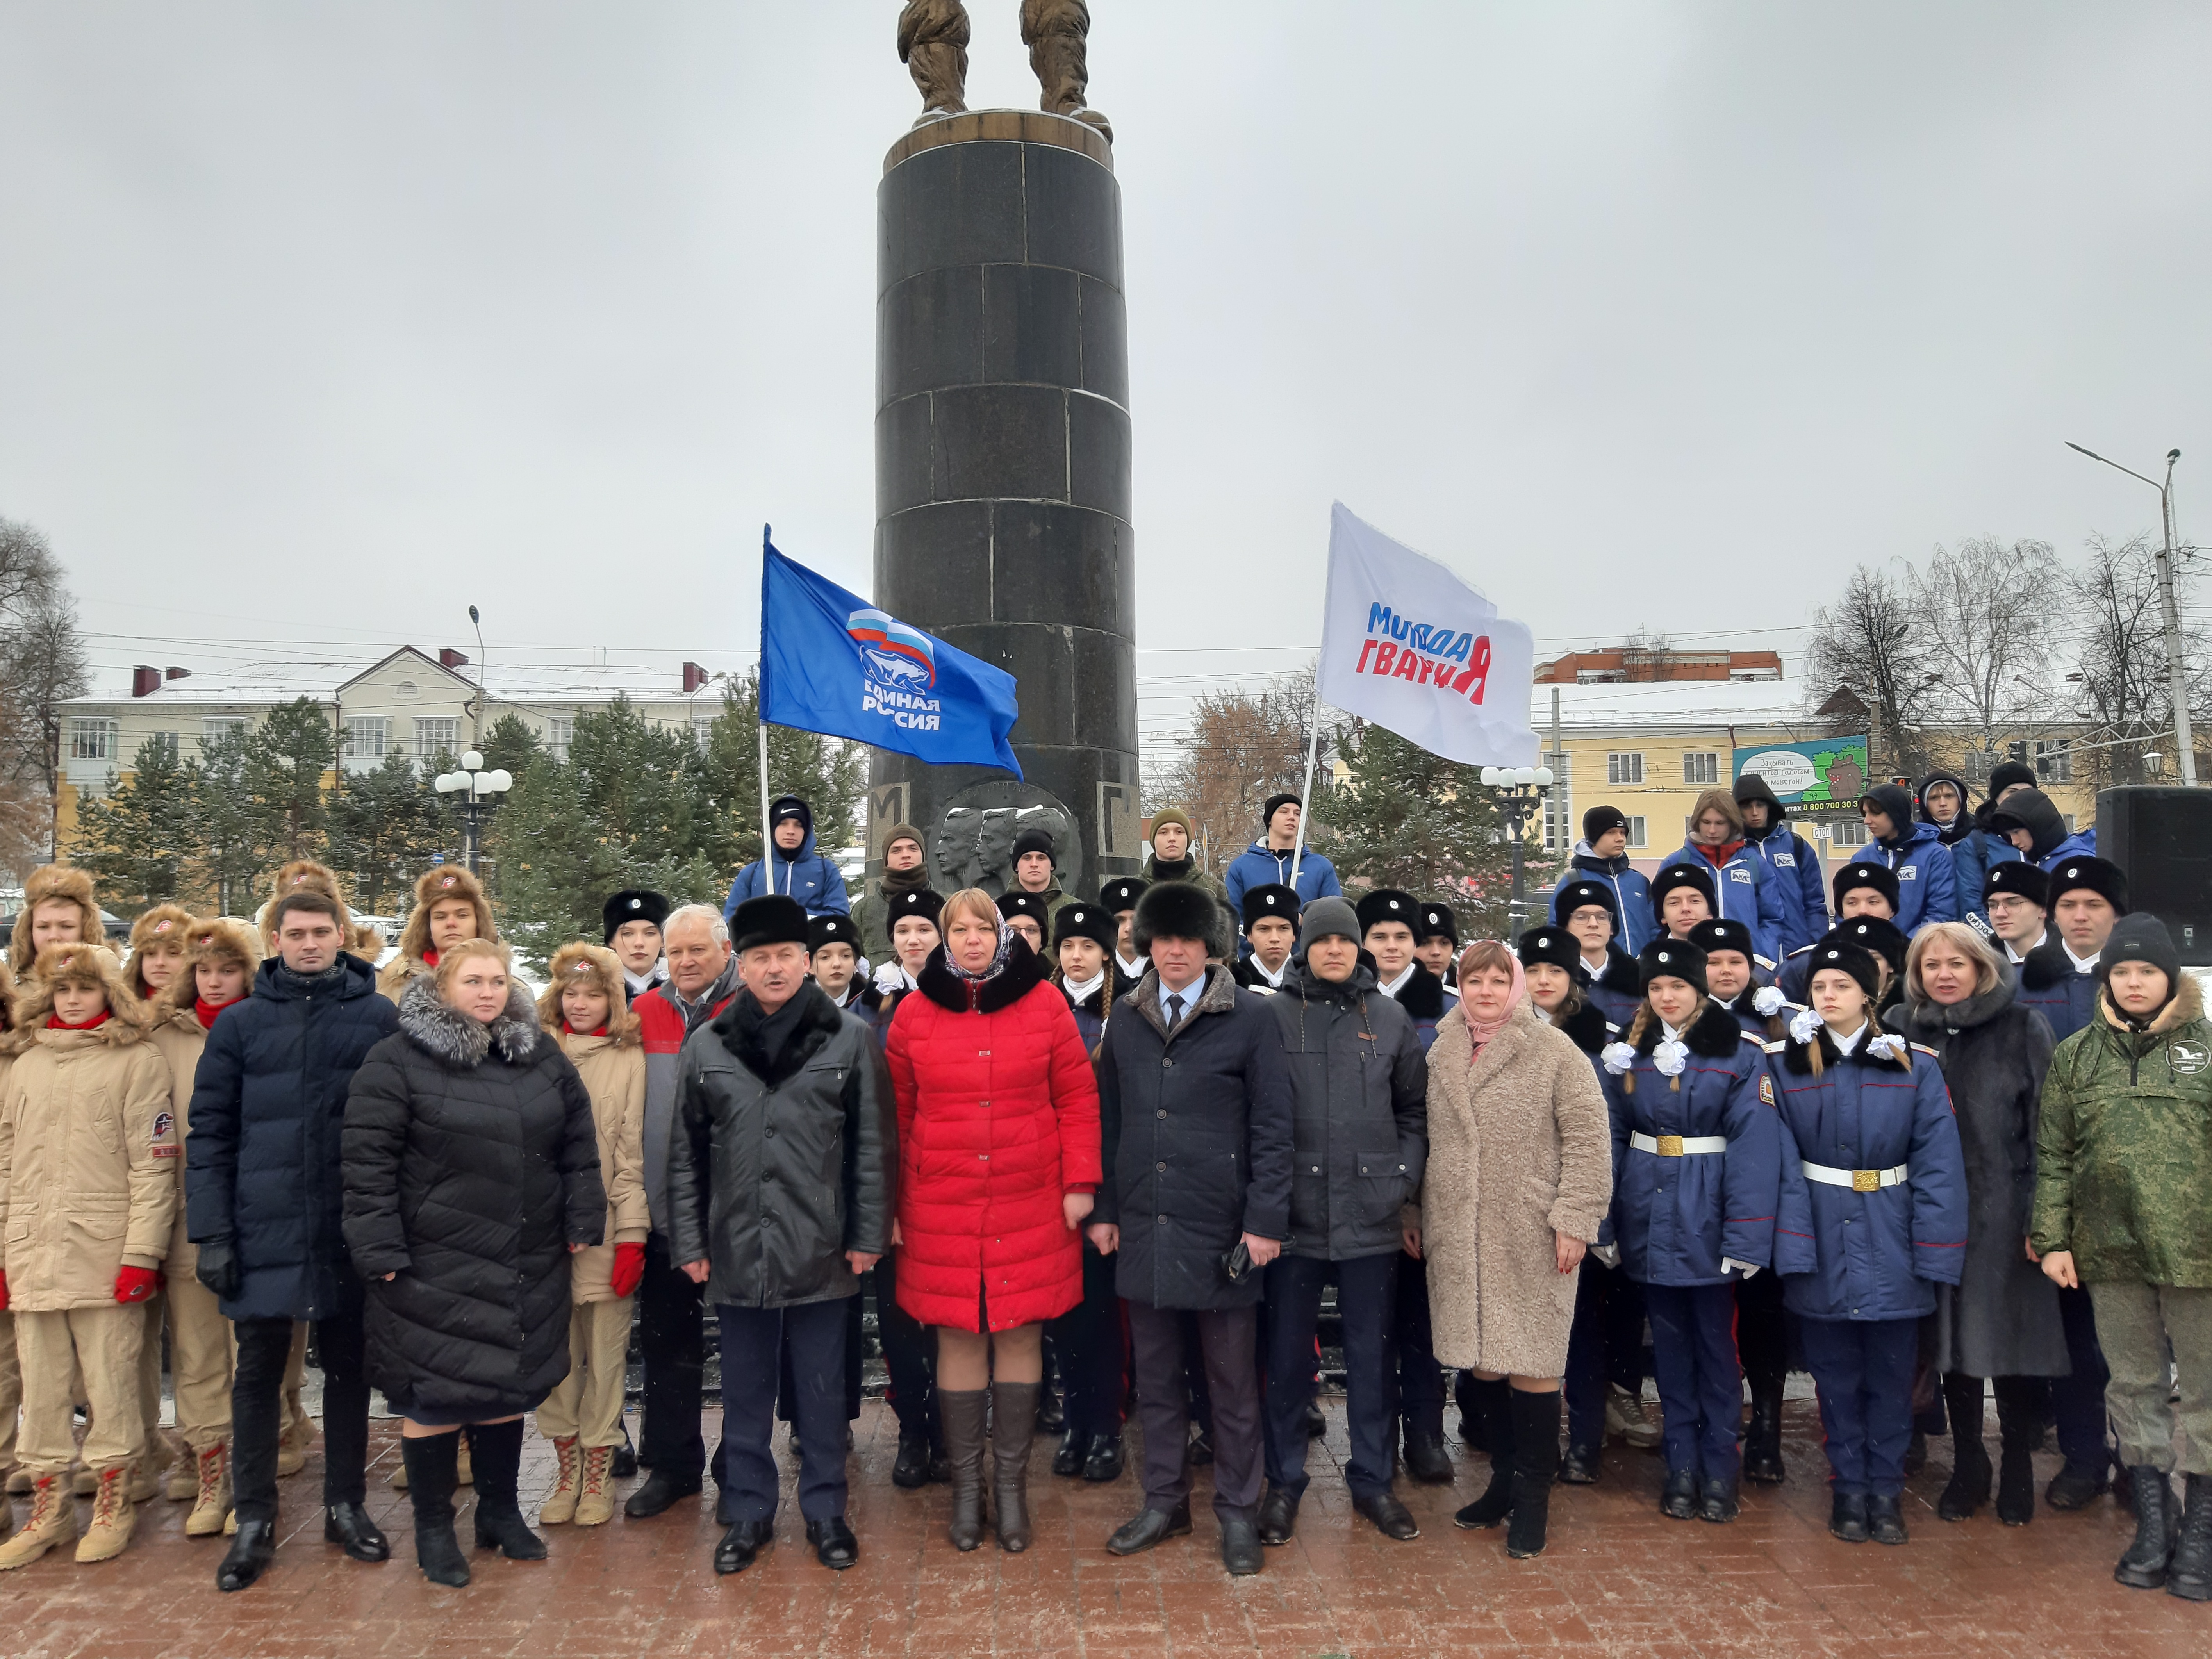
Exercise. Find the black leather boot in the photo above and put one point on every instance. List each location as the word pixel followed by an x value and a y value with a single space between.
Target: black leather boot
pixel 1067 1461
pixel 1762 1441
pixel 961 1411
pixel 1493 1402
pixel 1013 1430
pixel 496 1448
pixel 1535 1463
pixel 1968 1488
pixel 433 1462
pixel 910 1468
pixel 2189 1574
pixel 2020 1411
pixel 2144 1566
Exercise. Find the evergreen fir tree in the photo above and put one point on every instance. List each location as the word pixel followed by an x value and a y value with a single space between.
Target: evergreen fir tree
pixel 133 839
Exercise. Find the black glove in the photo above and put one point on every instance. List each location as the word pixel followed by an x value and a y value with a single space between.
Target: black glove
pixel 217 1269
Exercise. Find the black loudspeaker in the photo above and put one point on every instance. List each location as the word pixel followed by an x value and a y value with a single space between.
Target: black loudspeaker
pixel 2163 839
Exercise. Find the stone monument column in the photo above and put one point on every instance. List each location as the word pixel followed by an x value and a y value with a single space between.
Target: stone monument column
pixel 1002 482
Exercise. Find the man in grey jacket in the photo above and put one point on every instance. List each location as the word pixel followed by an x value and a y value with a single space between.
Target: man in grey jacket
pixel 780 1089
pixel 1359 1090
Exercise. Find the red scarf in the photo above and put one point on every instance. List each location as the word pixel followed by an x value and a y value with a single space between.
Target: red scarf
pixel 429 958
pixel 568 1030
pixel 1718 856
pixel 207 1011
pixel 56 1023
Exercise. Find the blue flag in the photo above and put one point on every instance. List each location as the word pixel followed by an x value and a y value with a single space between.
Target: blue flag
pixel 831 662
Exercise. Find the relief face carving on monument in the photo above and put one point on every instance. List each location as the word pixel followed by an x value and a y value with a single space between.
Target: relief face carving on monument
pixel 933 43
pixel 973 843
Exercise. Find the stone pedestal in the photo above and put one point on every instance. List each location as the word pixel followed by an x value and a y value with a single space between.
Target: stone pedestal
pixel 1002 481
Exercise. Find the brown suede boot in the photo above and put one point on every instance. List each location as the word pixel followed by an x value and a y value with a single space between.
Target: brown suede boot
pixel 53 1521
pixel 212 1502
pixel 114 1517
pixel 560 1503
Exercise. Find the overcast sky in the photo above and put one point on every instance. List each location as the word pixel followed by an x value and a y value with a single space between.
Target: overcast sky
pixel 324 321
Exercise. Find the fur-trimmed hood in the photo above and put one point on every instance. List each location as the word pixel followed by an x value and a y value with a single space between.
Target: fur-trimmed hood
pixel 738 1026
pixel 446 881
pixel 2188 1005
pixel 460 1044
pixel 219 940
pixel 598 966
pixel 52 881
pixel 1713 1033
pixel 66 964
pixel 1021 974
pixel 165 924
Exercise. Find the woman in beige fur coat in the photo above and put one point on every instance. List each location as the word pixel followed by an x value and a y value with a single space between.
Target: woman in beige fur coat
pixel 1519 1175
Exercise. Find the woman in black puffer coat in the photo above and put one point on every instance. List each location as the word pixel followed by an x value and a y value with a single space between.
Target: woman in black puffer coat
pixel 471 1173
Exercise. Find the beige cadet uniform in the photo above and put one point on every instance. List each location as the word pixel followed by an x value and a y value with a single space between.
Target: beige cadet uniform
pixel 201 1356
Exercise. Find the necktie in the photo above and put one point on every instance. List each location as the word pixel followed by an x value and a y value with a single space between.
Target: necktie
pixel 1175 1009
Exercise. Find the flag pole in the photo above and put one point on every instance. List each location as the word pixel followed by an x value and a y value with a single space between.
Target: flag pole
pixel 1305 794
pixel 760 708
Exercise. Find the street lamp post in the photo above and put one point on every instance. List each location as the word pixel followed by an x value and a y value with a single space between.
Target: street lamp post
pixel 1521 792
pixel 2177 675
pixel 479 790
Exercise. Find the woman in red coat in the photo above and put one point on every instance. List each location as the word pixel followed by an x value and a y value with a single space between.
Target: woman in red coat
pixel 998 1158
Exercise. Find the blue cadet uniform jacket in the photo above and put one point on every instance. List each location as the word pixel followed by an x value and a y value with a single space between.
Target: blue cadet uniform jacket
pixel 1424 999
pixel 1793 868
pixel 2050 983
pixel 1619 993
pixel 1747 891
pixel 1849 1246
pixel 1634 925
pixel 1927 884
pixel 1679 1206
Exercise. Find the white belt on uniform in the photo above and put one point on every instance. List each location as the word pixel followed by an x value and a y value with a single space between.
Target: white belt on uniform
pixel 1677 1145
pixel 1859 1180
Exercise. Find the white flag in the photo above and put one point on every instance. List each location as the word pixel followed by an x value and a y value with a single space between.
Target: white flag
pixel 1408 645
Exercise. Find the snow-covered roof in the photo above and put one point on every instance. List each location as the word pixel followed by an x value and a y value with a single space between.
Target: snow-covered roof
pixel 278 681
pixel 1688 704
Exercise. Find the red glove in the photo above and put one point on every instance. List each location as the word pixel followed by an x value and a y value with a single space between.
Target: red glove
pixel 4 1290
pixel 630 1268
pixel 137 1284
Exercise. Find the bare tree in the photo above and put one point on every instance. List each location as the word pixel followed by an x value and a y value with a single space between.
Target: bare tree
pixel 1875 642
pixel 1987 608
pixel 1644 655
pixel 2123 691
pixel 42 665
pixel 1244 746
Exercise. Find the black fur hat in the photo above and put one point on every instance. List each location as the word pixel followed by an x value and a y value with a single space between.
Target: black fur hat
pixel 1880 877
pixel 1018 903
pixel 2018 877
pixel 1672 958
pixel 771 918
pixel 1855 960
pixel 1034 841
pixel 1721 934
pixel 1089 921
pixel 1682 875
pixel 1436 921
pixel 1271 898
pixel 633 904
pixel 1872 933
pixel 1554 945
pixel 835 928
pixel 2089 875
pixel 1575 895
pixel 1121 894
pixel 911 902
pixel 1173 910
pixel 1387 904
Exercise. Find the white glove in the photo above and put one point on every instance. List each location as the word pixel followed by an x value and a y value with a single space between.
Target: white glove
pixel 1768 1001
pixel 1803 1023
pixel 1670 1056
pixel 1743 1268
pixel 1618 1057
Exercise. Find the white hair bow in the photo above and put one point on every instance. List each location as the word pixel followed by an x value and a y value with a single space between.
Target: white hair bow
pixel 891 977
pixel 1803 1023
pixel 1670 1056
pixel 1618 1057
pixel 1888 1044
pixel 1768 1001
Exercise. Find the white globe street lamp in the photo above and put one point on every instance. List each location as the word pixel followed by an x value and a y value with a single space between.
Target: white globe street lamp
pixel 480 791
pixel 1522 790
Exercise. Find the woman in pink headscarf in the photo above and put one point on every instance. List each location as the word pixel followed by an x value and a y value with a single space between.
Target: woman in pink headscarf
pixel 1519 1175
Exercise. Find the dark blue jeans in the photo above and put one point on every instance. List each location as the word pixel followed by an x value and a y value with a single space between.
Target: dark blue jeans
pixel 753 1341
pixel 1366 1299
pixel 1863 1372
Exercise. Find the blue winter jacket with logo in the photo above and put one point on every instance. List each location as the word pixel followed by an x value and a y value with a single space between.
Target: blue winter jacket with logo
pixel 1749 893
pixel 1794 870
pixel 1927 882
pixel 1258 864
pixel 805 875
pixel 1844 1254
pixel 1632 920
